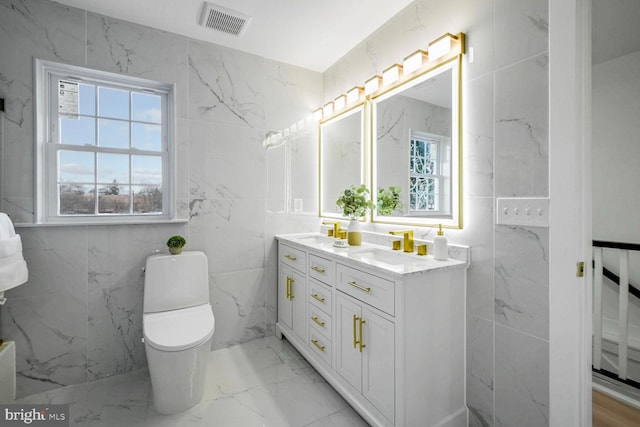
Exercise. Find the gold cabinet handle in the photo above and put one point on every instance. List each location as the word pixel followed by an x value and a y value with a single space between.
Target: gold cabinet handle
pixel 362 288
pixel 318 269
pixel 318 322
pixel 355 320
pixel 320 347
pixel 291 289
pixel 290 257
pixel 288 287
pixel 317 297
pixel 362 322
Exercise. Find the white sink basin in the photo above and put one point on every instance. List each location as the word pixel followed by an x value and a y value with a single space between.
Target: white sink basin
pixel 376 255
pixel 316 239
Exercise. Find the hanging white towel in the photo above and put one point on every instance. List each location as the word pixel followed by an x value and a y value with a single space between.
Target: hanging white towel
pixel 13 268
pixel 6 226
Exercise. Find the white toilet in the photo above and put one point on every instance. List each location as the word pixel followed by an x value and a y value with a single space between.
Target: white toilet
pixel 177 324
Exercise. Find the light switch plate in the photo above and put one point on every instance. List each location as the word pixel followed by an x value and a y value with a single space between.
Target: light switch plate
pixel 530 212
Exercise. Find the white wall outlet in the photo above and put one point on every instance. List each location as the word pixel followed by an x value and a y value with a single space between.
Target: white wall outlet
pixel 530 212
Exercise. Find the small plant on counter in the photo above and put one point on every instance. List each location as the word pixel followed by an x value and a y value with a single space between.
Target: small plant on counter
pixel 175 244
pixel 389 200
pixel 355 202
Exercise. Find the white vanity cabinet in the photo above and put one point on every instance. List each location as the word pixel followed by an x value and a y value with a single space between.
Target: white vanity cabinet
pixel 292 290
pixel 391 343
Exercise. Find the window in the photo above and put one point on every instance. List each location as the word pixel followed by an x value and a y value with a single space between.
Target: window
pixel 105 146
pixel 425 173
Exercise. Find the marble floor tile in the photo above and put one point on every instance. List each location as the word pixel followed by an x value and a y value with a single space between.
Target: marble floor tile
pixel 261 383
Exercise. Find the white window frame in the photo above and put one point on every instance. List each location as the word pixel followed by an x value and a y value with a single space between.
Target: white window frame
pixel 47 122
pixel 438 140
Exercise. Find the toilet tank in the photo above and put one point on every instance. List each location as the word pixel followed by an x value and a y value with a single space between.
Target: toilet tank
pixel 172 282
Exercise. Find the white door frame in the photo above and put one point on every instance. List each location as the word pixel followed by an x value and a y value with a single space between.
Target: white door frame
pixel 570 307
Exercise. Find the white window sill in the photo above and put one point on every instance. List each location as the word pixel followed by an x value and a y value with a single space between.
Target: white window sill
pixel 92 223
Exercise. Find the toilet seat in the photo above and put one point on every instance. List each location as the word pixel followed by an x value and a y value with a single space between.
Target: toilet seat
pixel 177 330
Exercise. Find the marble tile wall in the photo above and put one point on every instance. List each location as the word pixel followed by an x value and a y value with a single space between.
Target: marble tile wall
pixel 79 317
pixel 505 154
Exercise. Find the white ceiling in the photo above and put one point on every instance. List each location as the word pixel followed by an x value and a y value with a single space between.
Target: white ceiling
pixel 312 34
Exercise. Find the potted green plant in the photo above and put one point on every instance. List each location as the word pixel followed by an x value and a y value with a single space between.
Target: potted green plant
pixel 389 200
pixel 175 244
pixel 355 203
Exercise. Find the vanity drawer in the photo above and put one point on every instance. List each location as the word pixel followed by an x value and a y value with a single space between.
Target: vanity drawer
pixel 321 269
pixel 373 290
pixel 320 320
pixel 320 296
pixel 320 345
pixel 292 257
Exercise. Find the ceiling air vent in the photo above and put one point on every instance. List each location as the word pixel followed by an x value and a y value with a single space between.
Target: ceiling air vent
pixel 222 19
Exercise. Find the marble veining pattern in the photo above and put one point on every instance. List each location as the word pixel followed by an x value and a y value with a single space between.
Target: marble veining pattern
pixel 522 279
pixel 480 372
pixel 521 379
pixel 521 129
pixel 226 86
pixel 85 282
pixel 260 383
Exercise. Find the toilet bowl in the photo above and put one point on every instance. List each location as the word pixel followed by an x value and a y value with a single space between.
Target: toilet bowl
pixel 178 326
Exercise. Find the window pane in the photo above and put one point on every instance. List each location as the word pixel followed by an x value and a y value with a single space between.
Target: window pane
pixel 80 131
pixel 113 168
pixel 113 199
pixel 146 108
pixel 146 170
pixel 113 133
pixel 75 166
pixel 147 199
pixel 76 199
pixel 146 137
pixel 113 103
pixel 87 99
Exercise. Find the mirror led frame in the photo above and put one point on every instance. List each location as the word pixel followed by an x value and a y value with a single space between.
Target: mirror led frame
pixel 327 208
pixel 454 219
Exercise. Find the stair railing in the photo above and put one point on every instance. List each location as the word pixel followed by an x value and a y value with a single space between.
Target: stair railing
pixel 600 272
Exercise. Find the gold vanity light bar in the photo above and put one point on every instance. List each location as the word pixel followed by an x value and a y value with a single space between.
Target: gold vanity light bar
pixel 414 61
pixel 372 85
pixel 444 44
pixel 340 102
pixel 327 110
pixel 354 94
pixel 391 74
pixel 440 49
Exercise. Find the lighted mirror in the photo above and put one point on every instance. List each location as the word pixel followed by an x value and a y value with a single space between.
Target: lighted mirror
pixel 416 149
pixel 341 157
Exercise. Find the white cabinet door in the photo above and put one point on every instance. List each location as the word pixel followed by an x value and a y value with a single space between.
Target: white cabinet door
pixel 378 362
pixel 349 358
pixel 292 300
pixel 366 353
pixel 298 298
pixel 285 309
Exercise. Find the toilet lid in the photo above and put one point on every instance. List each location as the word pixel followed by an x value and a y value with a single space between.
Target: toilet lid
pixel 177 330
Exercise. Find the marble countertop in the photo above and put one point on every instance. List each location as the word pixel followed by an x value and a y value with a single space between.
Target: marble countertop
pixel 374 256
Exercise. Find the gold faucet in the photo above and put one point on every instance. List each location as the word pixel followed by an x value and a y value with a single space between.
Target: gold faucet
pixel 336 228
pixel 407 237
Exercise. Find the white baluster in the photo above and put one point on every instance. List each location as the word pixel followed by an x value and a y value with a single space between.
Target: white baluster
pixel 597 308
pixel 623 315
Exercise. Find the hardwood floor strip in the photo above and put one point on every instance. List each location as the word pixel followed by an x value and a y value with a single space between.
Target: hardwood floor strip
pixel 609 412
